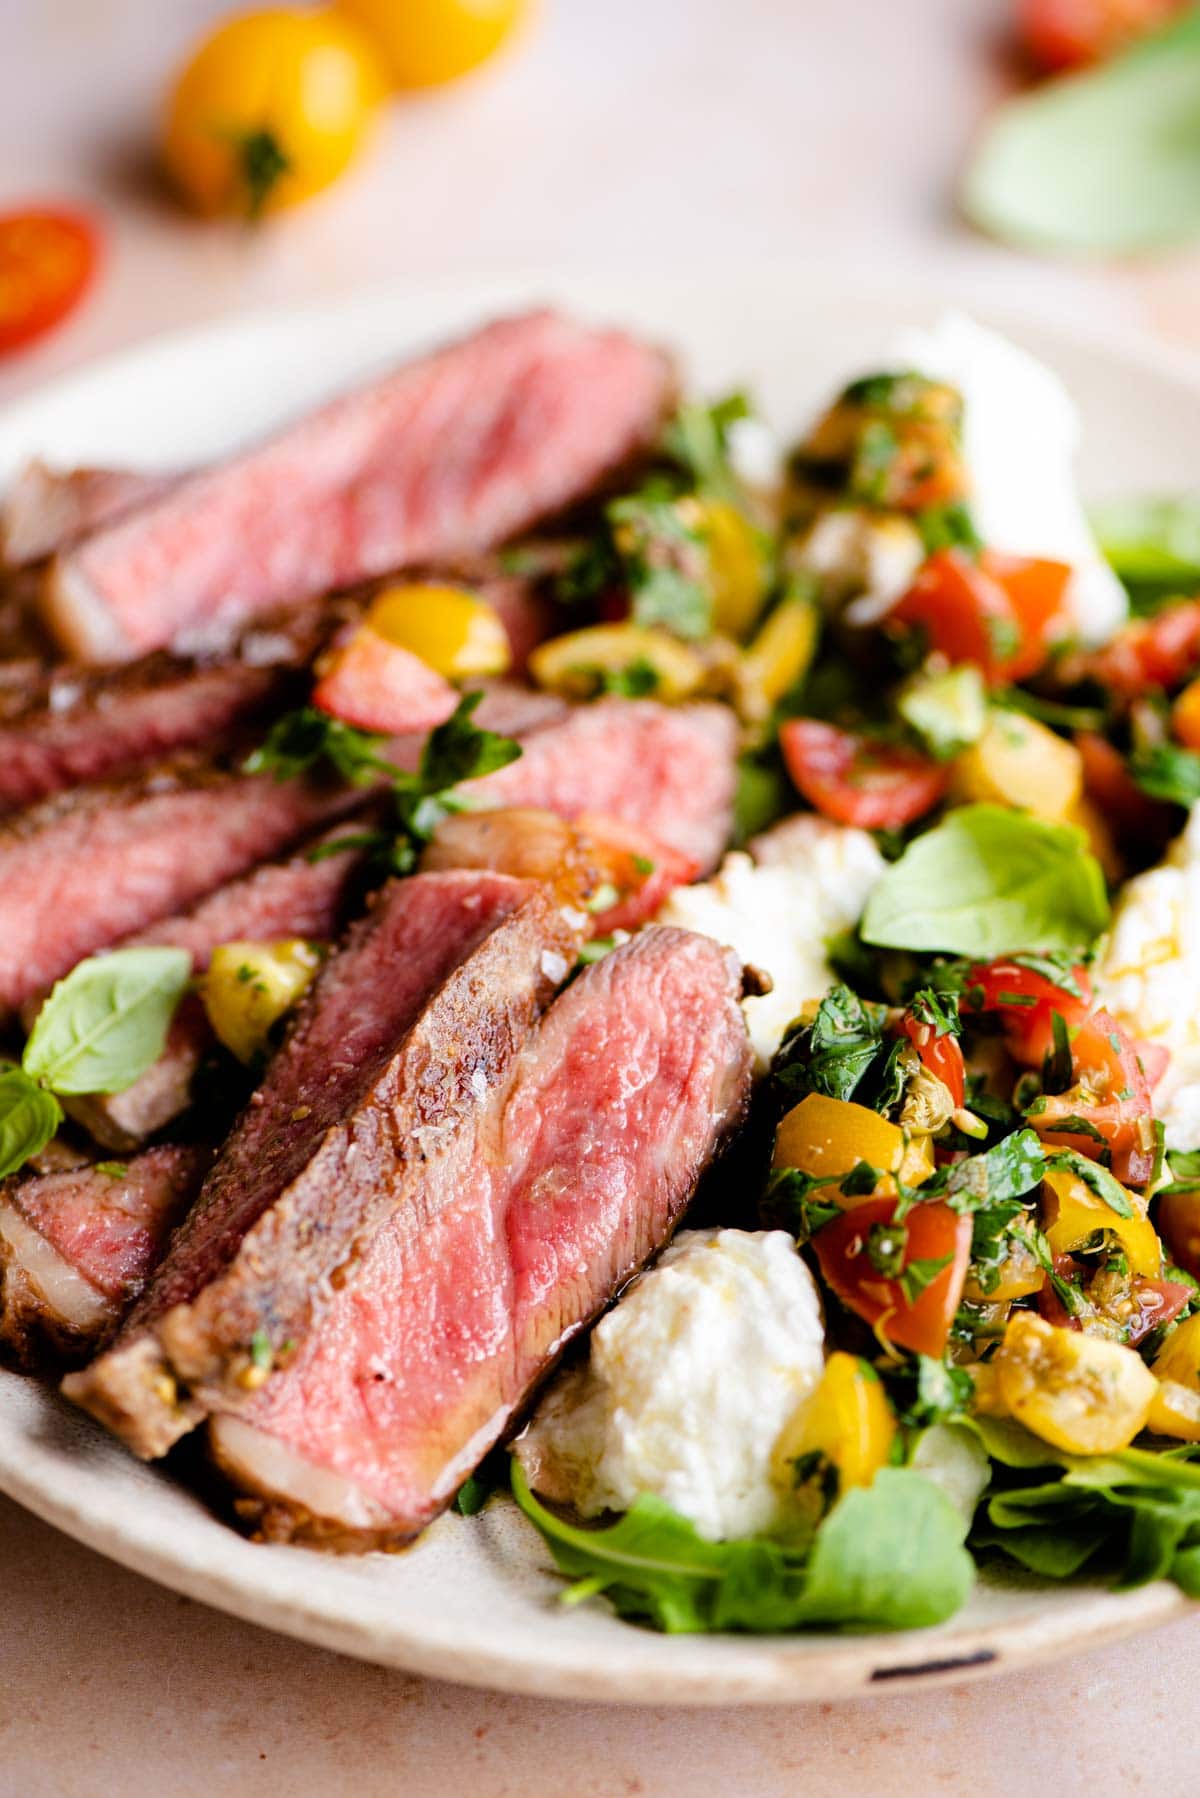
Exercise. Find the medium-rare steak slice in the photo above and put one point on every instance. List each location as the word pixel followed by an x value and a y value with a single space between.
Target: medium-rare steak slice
pixel 669 770
pixel 296 897
pixel 66 725
pixel 85 868
pixel 401 1038
pixel 76 1247
pixel 445 457
pixel 45 510
pixel 573 1173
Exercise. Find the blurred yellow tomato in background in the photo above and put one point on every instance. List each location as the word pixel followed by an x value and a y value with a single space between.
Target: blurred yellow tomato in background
pixel 426 42
pixel 270 109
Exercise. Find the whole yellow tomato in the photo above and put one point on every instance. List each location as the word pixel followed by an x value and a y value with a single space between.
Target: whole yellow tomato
pixel 270 109
pixel 426 42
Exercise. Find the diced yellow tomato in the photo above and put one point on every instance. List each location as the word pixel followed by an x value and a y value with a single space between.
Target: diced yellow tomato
pixel 987 1399
pixel 823 1136
pixel 579 663
pixel 1179 1357
pixel 451 629
pixel 847 1419
pixel 739 570
pixel 1080 1393
pixel 249 986
pixel 1020 762
pixel 1071 1212
pixel 1175 1411
pixel 428 42
pixel 779 655
pixel 1021 1273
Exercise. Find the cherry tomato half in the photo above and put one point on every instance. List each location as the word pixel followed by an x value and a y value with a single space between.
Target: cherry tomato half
pixel 48 259
pixel 1025 1001
pixel 1148 654
pixel 1065 34
pixel 940 1053
pixel 934 1233
pixel 857 779
pixel 643 871
pixel 1111 1096
pixel 996 611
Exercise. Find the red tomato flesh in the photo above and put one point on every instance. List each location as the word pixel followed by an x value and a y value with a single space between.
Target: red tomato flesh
pixel 1149 654
pixel 1025 1002
pixel 644 871
pixel 1111 1095
pixel 996 612
pixel 1065 34
pixel 934 1233
pixel 376 685
pixel 942 1056
pixel 861 780
pixel 48 259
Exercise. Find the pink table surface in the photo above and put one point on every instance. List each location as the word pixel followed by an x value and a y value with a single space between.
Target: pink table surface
pixel 634 133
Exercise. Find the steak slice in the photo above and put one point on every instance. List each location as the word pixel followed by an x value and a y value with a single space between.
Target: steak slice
pixel 45 510
pixel 401 1038
pixel 66 725
pixel 572 1174
pixel 668 770
pixel 444 458
pixel 83 869
pixel 76 1247
pixel 296 897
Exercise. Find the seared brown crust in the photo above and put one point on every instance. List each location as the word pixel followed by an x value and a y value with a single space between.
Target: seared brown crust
pixel 225 1286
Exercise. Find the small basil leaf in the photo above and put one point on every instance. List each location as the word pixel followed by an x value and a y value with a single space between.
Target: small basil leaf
pixel 987 882
pixel 28 1118
pixel 106 1023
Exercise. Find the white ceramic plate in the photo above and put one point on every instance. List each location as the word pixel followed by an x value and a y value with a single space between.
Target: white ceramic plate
pixel 475 1599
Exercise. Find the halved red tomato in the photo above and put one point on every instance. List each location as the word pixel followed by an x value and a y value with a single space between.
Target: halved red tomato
pixel 1149 654
pixel 48 259
pixel 934 1234
pixel 1133 815
pixel 1065 34
pixel 996 611
pixel 1111 1096
pixel 1025 1002
pixel 1154 1302
pixel 643 870
pixel 940 1052
pixel 858 779
pixel 1177 1221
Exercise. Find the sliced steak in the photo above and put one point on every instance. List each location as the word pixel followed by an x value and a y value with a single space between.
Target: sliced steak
pixel 400 1040
pixel 444 458
pixel 572 1174
pixel 668 770
pixel 86 868
pixel 296 897
pixel 66 725
pixel 76 1248
pixel 45 510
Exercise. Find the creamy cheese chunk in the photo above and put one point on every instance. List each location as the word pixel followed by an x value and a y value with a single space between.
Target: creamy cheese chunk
pixel 807 880
pixel 1149 977
pixel 689 1382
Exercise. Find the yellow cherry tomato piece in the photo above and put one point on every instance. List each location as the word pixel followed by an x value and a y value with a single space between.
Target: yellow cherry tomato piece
pixel 427 42
pixel 249 987
pixel 739 570
pixel 1020 1274
pixel 823 1136
pixel 847 1420
pixel 1072 1212
pixel 627 657
pixel 781 651
pixel 1020 762
pixel 1175 1411
pixel 1080 1393
pixel 1179 1357
pixel 270 109
pixel 451 629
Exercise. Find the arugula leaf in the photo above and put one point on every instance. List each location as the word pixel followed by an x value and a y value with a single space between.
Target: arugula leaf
pixel 29 1116
pixel 888 1556
pixel 106 1023
pixel 986 882
pixel 1106 161
pixel 1167 771
pixel 489 1477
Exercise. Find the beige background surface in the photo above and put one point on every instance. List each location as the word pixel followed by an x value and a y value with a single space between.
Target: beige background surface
pixel 620 133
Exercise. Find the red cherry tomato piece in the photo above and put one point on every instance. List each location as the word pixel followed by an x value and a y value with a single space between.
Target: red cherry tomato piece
pixel 376 685
pixel 935 1233
pixel 1111 1095
pixel 996 611
pixel 644 871
pixel 857 779
pixel 1066 34
pixel 941 1054
pixel 1150 653
pixel 1025 1002
pixel 48 259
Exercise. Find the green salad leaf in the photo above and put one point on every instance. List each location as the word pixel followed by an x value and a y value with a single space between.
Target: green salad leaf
pixel 1167 771
pixel 106 1023
pixel 1152 545
pixel 29 1116
pixel 887 1556
pixel 1106 161
pixel 986 882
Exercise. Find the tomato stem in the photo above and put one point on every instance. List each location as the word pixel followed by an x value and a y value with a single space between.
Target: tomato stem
pixel 263 161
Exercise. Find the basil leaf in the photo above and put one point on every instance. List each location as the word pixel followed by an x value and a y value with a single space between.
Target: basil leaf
pixel 834 1053
pixel 1107 161
pixel 1007 1171
pixel 987 882
pixel 1102 1183
pixel 948 711
pixel 1166 771
pixel 304 740
pixel 1152 543
pixel 106 1023
pixel 28 1118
